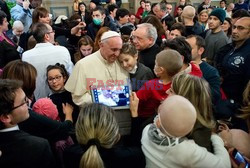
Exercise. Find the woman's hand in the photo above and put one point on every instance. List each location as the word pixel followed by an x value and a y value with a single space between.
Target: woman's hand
pixel 134 102
pixel 67 110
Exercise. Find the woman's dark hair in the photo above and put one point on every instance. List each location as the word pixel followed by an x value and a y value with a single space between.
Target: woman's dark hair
pixel 39 12
pixel 230 29
pixel 2 16
pixel 23 71
pixel 122 12
pixel 81 3
pixel 61 68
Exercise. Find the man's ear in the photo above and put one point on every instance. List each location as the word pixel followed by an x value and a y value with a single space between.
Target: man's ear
pixel 100 44
pixel 201 50
pixel 182 57
pixel 5 118
pixel 136 56
pixel 162 70
pixel 151 40
pixel 46 37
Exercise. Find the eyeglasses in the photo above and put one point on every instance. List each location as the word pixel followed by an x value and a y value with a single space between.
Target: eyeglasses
pixel 26 101
pixel 136 38
pixel 53 31
pixel 57 78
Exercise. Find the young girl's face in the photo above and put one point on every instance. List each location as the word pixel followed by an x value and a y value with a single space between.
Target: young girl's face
pixel 82 8
pixel 127 61
pixel 56 80
pixel 86 50
pixel 45 19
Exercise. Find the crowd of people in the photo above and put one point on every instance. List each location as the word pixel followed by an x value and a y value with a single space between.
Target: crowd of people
pixel 187 69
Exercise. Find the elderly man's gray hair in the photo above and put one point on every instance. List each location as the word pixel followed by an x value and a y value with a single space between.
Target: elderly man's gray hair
pixel 150 29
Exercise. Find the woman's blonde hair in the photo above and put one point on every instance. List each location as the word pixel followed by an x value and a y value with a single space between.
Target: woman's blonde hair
pixel 96 122
pixel 197 91
pixel 203 11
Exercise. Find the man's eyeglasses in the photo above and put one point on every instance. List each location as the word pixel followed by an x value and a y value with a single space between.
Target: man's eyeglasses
pixel 136 38
pixel 53 31
pixel 57 78
pixel 26 101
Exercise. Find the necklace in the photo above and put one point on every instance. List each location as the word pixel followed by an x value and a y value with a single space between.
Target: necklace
pixel 110 75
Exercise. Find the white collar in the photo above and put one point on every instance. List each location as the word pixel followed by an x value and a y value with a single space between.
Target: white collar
pixel 188 69
pixel 133 71
pixel 165 15
pixel 10 129
pixel 46 44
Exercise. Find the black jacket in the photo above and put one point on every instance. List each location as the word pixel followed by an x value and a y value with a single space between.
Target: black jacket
pixel 22 150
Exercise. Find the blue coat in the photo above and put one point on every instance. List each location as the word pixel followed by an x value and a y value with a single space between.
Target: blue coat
pixel 25 16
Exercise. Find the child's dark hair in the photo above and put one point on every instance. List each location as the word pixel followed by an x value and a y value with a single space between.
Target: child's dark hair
pixel 61 68
pixel 129 49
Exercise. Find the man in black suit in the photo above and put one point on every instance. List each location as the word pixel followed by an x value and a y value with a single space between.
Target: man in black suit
pixel 18 148
pixel 162 11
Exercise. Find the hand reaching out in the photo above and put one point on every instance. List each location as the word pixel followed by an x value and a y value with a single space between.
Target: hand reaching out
pixel 26 4
pixel 67 110
pixel 134 102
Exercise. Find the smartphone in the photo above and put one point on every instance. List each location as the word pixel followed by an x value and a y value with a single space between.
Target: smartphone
pixel 239 158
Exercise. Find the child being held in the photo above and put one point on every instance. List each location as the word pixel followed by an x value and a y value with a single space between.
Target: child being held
pixel 167 64
pixel 46 107
pixel 164 142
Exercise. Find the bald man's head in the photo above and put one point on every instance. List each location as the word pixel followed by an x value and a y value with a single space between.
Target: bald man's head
pixel 188 12
pixel 177 116
pixel 241 30
pixel 245 20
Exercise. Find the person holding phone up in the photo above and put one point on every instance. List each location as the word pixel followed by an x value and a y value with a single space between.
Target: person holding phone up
pixel 23 11
pixel 238 141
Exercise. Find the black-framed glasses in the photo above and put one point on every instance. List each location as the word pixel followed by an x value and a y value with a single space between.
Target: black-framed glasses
pixel 52 31
pixel 26 101
pixel 57 78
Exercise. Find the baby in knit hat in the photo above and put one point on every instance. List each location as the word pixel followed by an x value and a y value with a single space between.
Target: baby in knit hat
pixel 164 143
pixel 46 107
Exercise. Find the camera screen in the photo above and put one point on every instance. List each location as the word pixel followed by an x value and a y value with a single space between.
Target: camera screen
pixel 115 97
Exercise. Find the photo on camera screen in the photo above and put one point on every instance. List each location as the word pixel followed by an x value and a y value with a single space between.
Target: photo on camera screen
pixel 116 97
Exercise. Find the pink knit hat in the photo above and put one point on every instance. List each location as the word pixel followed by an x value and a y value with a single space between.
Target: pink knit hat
pixel 46 107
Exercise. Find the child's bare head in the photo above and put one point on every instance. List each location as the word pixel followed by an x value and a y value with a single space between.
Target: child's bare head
pixel 177 116
pixel 169 61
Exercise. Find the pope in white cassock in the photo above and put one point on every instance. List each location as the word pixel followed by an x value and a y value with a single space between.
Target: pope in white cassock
pixel 98 69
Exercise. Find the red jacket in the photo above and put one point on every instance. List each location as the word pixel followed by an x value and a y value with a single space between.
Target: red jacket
pixel 151 94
